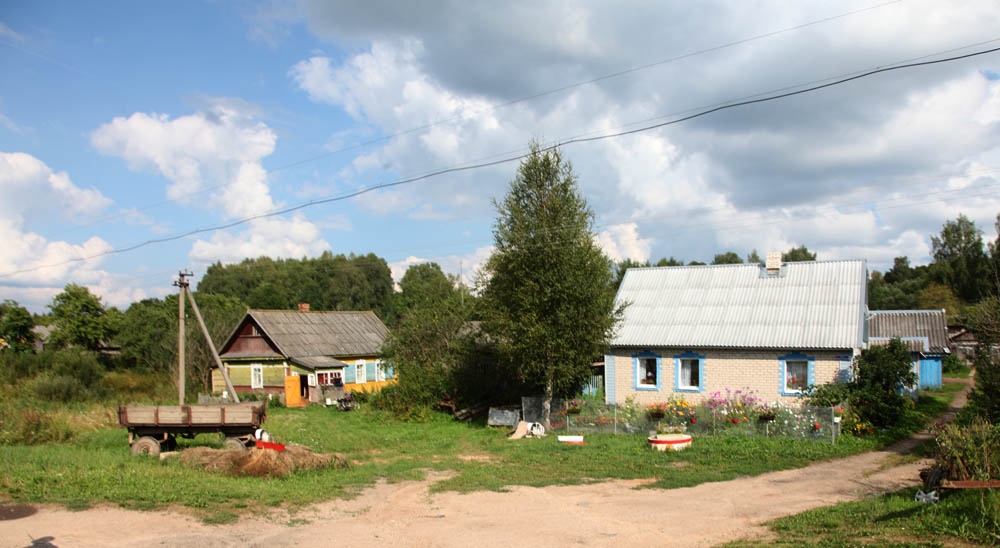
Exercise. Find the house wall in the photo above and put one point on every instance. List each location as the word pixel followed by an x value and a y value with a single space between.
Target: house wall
pixel 239 374
pixel 370 383
pixel 759 370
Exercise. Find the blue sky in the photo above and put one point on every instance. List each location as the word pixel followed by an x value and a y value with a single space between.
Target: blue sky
pixel 122 122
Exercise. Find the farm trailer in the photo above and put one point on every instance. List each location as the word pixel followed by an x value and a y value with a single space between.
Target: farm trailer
pixel 152 428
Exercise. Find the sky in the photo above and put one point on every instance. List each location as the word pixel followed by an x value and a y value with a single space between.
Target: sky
pixel 138 139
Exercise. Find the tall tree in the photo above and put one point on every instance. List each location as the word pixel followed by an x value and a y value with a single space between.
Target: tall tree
pixel 728 257
pixel 964 265
pixel 15 327
pixel 754 258
pixel 423 285
pixel 796 254
pixel 548 290
pixel 622 267
pixel 669 262
pixel 80 319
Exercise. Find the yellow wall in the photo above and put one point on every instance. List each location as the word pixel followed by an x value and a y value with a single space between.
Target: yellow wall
pixel 372 386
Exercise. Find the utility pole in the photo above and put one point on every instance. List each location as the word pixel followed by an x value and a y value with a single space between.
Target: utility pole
pixel 211 347
pixel 182 285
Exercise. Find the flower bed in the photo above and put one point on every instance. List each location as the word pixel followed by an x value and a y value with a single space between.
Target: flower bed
pixel 739 412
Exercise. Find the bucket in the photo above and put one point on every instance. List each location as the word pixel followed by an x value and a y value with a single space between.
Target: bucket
pixel 574 440
pixel 671 442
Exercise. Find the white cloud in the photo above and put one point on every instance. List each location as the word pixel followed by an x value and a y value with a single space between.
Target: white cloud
pixel 621 242
pixel 466 266
pixel 273 237
pixel 218 151
pixel 30 190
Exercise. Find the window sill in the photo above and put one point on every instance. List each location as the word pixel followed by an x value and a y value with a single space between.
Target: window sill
pixel 687 389
pixel 648 387
pixel 799 394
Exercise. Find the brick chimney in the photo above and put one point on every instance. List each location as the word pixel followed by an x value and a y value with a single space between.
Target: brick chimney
pixel 303 307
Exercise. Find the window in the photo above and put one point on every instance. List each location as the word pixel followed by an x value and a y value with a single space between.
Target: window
pixel 796 375
pixel 359 372
pixel 312 379
pixel 690 377
pixel 379 371
pixel 256 376
pixel 335 379
pixel 254 332
pixel 647 371
pixel 323 378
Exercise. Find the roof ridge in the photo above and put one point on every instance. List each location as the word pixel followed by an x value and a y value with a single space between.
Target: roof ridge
pixel 755 265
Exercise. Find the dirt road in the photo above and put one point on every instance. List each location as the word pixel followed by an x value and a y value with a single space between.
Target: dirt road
pixel 605 514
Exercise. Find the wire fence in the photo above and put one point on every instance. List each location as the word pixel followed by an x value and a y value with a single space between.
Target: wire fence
pixel 776 421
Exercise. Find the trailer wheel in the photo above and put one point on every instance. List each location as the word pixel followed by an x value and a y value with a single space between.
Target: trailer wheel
pixel 146 446
pixel 234 443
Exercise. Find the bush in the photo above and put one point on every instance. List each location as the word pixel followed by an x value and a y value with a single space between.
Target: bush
pixel 984 400
pixel 27 426
pixel 135 386
pixel 828 395
pixel 952 364
pixel 881 373
pixel 59 388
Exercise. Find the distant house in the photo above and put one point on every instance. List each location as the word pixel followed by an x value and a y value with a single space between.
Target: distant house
pixel 924 332
pixel 336 350
pixel 689 331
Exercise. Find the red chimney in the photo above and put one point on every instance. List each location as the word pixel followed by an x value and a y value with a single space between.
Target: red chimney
pixel 303 307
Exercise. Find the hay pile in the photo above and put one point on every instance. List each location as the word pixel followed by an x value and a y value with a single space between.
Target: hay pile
pixel 260 462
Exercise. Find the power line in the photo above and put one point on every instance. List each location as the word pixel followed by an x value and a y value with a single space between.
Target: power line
pixel 498 106
pixel 510 159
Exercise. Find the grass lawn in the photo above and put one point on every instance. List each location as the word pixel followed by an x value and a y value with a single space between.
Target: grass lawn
pixel 96 467
pixel 891 520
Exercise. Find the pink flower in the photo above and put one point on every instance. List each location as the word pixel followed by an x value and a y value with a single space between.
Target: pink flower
pixel 693 420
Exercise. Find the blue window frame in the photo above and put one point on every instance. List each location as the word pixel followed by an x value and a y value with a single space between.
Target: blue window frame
pixel 647 371
pixel 689 372
pixel 796 372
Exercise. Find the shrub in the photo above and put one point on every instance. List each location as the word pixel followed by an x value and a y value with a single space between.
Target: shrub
pixel 27 426
pixel 984 400
pixel 952 364
pixel 881 373
pixel 59 388
pixel 972 452
pixel 828 395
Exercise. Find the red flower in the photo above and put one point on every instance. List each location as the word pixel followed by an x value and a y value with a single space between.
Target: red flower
pixel 816 426
pixel 693 420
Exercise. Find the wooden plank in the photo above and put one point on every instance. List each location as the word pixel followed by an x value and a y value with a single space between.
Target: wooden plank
pixel 140 414
pixel 970 484
pixel 206 414
pixel 172 414
pixel 239 414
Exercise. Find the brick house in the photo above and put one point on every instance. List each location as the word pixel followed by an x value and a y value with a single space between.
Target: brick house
pixel 689 331
pixel 331 351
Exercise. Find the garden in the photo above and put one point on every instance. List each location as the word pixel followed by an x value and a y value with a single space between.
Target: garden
pixel 739 412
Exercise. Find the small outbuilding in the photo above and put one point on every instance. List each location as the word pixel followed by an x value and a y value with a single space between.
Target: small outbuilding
pixel 925 334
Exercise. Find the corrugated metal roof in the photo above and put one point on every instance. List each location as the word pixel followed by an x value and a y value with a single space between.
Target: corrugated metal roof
pixel 911 325
pixel 318 362
pixel 302 334
pixel 816 304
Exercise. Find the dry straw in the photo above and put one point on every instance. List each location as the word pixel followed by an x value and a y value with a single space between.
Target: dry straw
pixel 260 462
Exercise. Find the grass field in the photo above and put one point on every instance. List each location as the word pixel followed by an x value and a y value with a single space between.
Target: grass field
pixel 96 467
pixel 893 520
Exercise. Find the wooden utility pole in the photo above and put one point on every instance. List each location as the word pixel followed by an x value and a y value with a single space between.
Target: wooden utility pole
pixel 211 346
pixel 182 284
